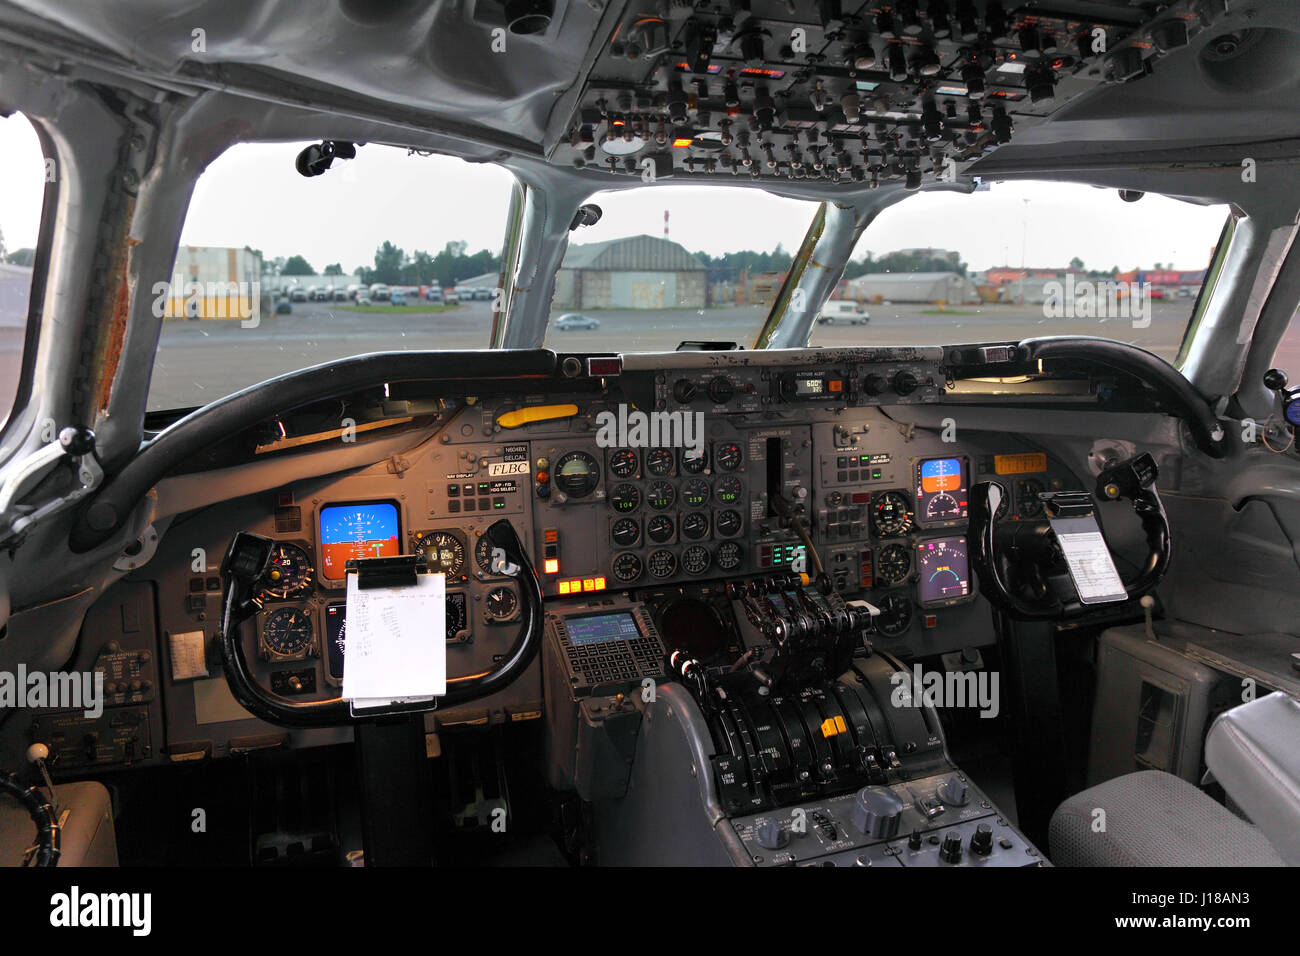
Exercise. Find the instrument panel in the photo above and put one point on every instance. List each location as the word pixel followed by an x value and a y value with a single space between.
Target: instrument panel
pixel 653 487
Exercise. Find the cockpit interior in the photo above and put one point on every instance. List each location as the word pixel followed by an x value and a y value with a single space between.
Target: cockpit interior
pixel 826 530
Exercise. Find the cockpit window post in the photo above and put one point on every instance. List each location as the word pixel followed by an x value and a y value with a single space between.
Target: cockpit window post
pixel 811 279
pixel 509 261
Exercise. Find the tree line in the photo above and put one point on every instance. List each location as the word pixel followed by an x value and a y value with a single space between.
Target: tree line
pixel 394 266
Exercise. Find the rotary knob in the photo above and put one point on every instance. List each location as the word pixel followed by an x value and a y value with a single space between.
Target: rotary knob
pixel 874 384
pixel 771 835
pixel 905 382
pixel 953 792
pixel 721 389
pixel 876 812
pixel 981 843
pixel 950 849
pixel 683 390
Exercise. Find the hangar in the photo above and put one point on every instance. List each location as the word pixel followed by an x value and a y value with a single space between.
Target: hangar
pixel 639 272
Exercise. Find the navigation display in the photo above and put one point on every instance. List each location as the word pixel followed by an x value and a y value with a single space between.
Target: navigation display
pixel 599 628
pixel 941 496
pixel 943 571
pixel 360 530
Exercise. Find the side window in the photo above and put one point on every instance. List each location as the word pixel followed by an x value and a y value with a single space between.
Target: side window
pixel 21 200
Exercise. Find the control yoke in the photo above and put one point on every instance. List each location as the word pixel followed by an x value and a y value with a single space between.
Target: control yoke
pixel 1020 565
pixel 243 568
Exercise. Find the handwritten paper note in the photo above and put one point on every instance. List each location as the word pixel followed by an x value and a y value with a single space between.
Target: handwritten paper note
pixel 189 659
pixel 396 642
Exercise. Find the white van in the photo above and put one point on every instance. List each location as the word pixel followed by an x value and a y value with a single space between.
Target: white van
pixel 843 312
pixel 379 292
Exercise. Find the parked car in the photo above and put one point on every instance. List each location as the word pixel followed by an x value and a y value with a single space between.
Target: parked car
pixel 298 294
pixel 433 294
pixel 283 306
pixel 379 292
pixel 398 298
pixel 843 312
pixel 451 297
pixel 363 298
pixel 341 295
pixel 575 320
pixel 482 295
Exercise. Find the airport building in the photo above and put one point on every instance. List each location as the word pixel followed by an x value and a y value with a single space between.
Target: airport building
pixel 209 282
pixel 640 272
pixel 938 288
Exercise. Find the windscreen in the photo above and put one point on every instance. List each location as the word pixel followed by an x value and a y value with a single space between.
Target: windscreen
pixel 669 264
pixel 1019 259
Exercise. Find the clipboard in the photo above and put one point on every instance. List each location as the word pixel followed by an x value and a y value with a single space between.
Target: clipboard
pixel 396 650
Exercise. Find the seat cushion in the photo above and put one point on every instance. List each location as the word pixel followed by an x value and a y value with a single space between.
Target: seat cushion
pixel 1152 818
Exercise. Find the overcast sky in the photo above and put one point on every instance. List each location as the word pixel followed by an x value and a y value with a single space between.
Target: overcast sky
pixel 252 195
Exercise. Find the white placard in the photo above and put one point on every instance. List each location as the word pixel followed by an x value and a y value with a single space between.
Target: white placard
pixel 189 655
pixel 396 647
pixel 1091 567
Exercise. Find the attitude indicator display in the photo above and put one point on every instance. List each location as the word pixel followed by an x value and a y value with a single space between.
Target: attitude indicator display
pixel 941 494
pixel 361 530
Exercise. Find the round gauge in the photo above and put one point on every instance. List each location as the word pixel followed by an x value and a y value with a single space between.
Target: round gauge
pixel 576 474
pixel 442 552
pixel 500 605
pixel 942 506
pixel 729 456
pixel 1027 503
pixel 618 146
pixel 729 490
pixel 727 523
pixel 727 556
pixel 695 559
pixel 483 555
pixel 625 532
pixel 895 614
pixel 695 492
pixel 624 498
pixel 893 564
pixel 660 528
pixel 457 615
pixel 695 525
pixel 623 463
pixel 289 574
pixel 1291 411
pixel 287 632
pixel 891 514
pixel 662 564
pixel 660 495
pixel 626 567
pixel 694 462
pixel 659 462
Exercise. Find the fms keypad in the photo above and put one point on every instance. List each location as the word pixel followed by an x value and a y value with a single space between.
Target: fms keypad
pixel 605 648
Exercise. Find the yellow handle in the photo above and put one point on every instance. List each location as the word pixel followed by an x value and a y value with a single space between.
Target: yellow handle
pixel 535 413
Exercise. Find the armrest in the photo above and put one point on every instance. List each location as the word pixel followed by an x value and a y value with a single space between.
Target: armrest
pixel 1254 752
